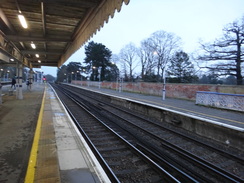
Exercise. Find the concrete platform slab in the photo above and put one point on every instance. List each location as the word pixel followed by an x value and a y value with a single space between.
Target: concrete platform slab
pixel 71 159
pixel 66 143
pixel 78 176
pixel 63 149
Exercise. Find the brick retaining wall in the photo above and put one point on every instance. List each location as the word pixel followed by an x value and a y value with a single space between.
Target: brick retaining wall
pixel 183 91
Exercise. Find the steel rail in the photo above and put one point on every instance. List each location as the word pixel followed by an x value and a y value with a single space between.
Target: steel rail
pixel 145 157
pixel 186 155
pixel 224 153
pixel 99 157
pixel 194 158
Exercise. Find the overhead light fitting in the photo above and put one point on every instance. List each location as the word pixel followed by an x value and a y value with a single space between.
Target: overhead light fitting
pixel 33 45
pixel 11 59
pixel 22 21
pixel 39 61
pixel 37 55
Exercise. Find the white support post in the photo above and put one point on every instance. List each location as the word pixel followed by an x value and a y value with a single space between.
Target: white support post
pixel 19 88
pixel 31 80
pixel 1 100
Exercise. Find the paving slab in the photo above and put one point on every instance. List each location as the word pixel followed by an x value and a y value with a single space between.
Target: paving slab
pixel 17 126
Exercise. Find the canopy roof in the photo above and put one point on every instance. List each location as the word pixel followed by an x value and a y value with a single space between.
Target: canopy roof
pixel 57 28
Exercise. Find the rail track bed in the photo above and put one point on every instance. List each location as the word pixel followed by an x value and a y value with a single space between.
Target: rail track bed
pixel 133 148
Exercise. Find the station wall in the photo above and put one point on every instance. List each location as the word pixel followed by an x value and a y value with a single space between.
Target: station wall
pixel 183 91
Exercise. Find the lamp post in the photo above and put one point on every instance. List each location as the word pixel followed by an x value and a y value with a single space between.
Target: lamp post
pixel 164 85
pixel 80 78
pixel 82 70
pixel 76 75
pixel 1 71
pixel 7 74
pixel 94 73
pixel 71 77
pixel 117 82
pixel 99 75
pixel 76 78
pixel 99 72
pixel 164 75
pixel 120 84
pixel 65 77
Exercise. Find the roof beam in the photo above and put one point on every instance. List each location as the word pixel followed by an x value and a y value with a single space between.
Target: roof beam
pixel 22 44
pixel 6 21
pixel 43 19
pixel 44 23
pixel 83 3
pixel 44 64
pixel 40 39
pixel 50 52
pixel 42 60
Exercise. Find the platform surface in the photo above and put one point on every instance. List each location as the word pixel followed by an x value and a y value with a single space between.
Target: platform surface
pixel 18 119
pixel 61 140
pixel 62 154
pixel 229 117
pixel 39 143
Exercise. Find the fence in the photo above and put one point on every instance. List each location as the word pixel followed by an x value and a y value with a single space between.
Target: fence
pixel 221 100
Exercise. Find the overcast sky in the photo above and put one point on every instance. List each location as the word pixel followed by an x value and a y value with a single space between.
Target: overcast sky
pixel 191 20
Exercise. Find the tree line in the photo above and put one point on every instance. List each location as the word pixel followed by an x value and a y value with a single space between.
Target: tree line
pixel 161 56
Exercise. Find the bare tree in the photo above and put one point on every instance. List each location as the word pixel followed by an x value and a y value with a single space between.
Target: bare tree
pixel 147 58
pixel 164 45
pixel 227 53
pixel 128 58
pixel 115 59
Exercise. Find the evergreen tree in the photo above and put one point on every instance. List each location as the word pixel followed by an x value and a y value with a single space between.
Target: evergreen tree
pixel 73 67
pixel 73 71
pixel 97 60
pixel 181 69
pixel 69 72
pixel 62 74
pixel 204 80
pixel 211 78
pixel 230 80
pixel 50 78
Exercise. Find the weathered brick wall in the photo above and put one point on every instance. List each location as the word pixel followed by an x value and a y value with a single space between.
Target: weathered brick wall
pixel 184 91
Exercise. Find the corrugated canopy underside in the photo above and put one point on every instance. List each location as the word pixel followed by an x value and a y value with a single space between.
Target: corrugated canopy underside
pixel 58 28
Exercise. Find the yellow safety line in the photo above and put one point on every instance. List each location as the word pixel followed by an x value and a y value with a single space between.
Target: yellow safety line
pixel 191 111
pixel 30 174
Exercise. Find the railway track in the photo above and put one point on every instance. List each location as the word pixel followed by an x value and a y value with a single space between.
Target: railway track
pixel 121 160
pixel 182 157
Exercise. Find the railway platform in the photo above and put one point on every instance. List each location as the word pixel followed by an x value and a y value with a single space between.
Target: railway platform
pixel 220 116
pixel 40 144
